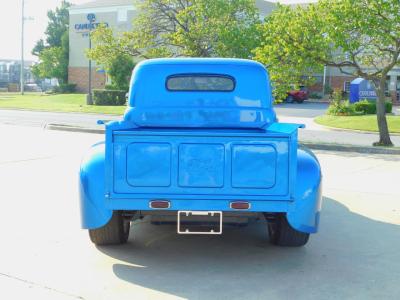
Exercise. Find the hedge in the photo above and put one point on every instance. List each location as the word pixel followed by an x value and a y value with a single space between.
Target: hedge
pixel 369 107
pixel 65 88
pixel 109 97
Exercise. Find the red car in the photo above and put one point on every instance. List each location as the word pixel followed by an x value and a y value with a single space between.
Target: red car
pixel 297 95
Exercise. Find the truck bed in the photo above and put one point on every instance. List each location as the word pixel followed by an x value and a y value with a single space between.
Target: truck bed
pixel 197 164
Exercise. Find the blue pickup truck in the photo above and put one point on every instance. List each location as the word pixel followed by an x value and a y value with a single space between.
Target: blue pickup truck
pixel 200 144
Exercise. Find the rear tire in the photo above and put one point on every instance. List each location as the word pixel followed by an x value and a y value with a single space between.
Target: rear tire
pixel 290 99
pixel 282 234
pixel 115 232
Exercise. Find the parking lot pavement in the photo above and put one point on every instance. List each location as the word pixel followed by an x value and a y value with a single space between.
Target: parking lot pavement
pixel 43 251
pixel 301 110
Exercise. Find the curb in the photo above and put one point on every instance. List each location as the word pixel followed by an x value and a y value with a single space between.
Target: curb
pixel 351 148
pixel 309 144
pixel 64 127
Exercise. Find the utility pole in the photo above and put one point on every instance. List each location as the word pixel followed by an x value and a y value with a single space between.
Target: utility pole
pixel 91 18
pixel 89 99
pixel 22 79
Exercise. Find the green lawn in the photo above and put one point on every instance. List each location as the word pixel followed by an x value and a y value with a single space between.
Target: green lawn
pixel 60 102
pixel 367 122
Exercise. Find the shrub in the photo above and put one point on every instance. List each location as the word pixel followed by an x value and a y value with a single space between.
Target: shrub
pixel 369 107
pixel 343 108
pixel 109 97
pixel 340 107
pixel 315 95
pixel 388 107
pixel 65 88
pixel 328 90
pixel 112 87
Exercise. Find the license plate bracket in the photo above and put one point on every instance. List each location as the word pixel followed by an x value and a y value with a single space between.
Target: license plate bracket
pixel 199 222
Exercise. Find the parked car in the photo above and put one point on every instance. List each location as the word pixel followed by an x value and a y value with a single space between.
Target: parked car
pixel 297 95
pixel 202 146
pixel 32 87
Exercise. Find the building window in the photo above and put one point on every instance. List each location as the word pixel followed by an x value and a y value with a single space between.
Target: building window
pixel 398 83
pixel 122 15
pixel 346 86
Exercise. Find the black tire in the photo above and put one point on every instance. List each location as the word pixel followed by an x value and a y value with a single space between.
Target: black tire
pixel 115 232
pixel 299 101
pixel 290 99
pixel 282 234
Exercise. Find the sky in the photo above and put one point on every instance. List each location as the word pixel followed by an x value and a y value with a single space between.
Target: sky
pixel 10 24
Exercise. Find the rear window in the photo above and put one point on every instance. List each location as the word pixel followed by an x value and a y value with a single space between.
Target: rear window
pixel 201 82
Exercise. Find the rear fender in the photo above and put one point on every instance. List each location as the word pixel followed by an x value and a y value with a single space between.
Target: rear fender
pixel 304 214
pixel 94 214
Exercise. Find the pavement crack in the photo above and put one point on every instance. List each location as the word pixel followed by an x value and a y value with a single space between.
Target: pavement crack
pixel 39 285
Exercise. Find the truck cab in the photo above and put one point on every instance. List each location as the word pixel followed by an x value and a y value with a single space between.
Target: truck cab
pixel 200 143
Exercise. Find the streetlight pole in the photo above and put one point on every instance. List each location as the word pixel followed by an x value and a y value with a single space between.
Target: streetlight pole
pixel 22 81
pixel 89 97
pixel 89 100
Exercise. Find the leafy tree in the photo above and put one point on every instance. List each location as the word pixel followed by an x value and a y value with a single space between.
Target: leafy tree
pixel 120 70
pixel 361 38
pixel 53 53
pixel 169 28
pixel 54 62
pixel 57 26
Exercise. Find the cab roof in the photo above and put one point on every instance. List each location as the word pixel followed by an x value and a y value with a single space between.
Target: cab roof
pixel 152 104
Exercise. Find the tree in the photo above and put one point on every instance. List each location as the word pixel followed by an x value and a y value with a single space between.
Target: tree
pixel 57 26
pixel 361 38
pixel 170 28
pixel 53 53
pixel 120 70
pixel 53 62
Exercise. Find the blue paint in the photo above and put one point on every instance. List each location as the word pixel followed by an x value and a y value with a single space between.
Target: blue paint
pixel 360 89
pixel 201 150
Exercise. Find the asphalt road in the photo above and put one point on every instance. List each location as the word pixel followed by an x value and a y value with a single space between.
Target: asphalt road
pixel 288 112
pixel 41 118
pixel 45 255
pixel 301 110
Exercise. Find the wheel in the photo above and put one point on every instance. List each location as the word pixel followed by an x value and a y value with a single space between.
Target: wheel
pixel 299 101
pixel 115 232
pixel 282 234
pixel 290 99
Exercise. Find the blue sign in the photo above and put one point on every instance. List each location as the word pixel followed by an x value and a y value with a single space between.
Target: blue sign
pixel 360 89
pixel 91 18
pixel 85 27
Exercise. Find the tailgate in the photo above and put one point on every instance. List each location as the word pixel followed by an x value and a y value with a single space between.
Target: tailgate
pixel 170 165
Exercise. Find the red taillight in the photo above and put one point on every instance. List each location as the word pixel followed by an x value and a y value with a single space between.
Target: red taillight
pixel 160 204
pixel 240 205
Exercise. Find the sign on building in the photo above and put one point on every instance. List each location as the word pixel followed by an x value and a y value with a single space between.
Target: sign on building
pixel 84 28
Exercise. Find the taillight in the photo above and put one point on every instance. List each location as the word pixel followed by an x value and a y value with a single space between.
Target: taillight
pixel 240 205
pixel 160 204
